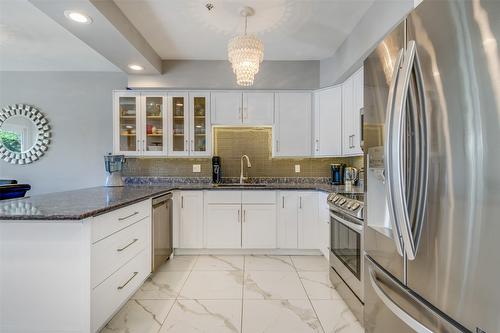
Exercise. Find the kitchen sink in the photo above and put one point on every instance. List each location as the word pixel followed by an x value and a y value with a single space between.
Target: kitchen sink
pixel 240 185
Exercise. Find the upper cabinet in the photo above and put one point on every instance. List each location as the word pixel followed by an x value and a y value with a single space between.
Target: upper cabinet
pixel 328 122
pixel 292 129
pixel 352 100
pixel 139 121
pixel 190 130
pixel 242 108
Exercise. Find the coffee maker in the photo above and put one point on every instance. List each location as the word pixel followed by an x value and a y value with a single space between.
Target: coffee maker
pixel 337 174
pixel 216 170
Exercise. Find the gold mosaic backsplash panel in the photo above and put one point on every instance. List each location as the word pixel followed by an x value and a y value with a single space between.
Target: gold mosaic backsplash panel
pixel 230 144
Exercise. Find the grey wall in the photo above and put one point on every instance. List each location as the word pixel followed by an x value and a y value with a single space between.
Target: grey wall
pixel 78 106
pixel 380 18
pixel 217 74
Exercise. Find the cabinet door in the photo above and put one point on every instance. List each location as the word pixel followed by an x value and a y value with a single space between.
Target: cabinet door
pixel 292 134
pixel 308 221
pixel 226 108
pixel 199 124
pixel 288 220
pixel 191 220
pixel 153 121
pixel 328 122
pixel 127 124
pixel 178 124
pixel 358 103
pixel 258 108
pixel 259 227
pixel 223 226
pixel 347 110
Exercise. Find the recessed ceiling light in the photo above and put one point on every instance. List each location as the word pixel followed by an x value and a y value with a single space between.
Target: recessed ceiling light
pixel 136 67
pixel 78 17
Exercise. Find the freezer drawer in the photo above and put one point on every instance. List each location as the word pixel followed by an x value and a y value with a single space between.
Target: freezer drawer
pixel 391 307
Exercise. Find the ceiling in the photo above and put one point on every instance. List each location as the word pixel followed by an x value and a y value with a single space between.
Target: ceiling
pixel 31 41
pixel 290 29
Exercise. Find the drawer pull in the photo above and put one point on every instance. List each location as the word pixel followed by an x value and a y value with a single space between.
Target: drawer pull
pixel 128 216
pixel 123 285
pixel 132 242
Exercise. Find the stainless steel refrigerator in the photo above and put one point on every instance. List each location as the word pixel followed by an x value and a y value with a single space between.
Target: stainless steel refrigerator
pixel 432 138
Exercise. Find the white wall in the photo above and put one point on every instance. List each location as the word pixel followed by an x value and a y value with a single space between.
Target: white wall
pixel 78 106
pixel 379 20
pixel 217 74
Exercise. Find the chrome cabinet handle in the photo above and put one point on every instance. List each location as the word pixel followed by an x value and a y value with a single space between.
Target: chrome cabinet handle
pixel 391 305
pixel 138 144
pixel 244 215
pixel 317 145
pixel 127 282
pixel 239 216
pixel 389 154
pixel 283 202
pixel 182 201
pixel 192 145
pixel 186 147
pixel 126 246
pixel 300 202
pixel 128 216
pixel 277 145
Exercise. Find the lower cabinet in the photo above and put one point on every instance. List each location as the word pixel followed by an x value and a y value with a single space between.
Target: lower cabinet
pixel 324 225
pixel 259 226
pixel 223 226
pixel 191 220
pixel 298 220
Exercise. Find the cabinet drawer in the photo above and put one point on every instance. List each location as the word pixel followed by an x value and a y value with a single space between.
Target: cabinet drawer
pixel 111 253
pixel 118 288
pixel 106 224
pixel 258 197
pixel 223 197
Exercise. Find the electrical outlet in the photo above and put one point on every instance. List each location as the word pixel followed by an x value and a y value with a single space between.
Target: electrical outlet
pixel 196 168
pixel 297 168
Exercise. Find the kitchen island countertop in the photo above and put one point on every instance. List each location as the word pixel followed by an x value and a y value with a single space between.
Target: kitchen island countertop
pixel 78 205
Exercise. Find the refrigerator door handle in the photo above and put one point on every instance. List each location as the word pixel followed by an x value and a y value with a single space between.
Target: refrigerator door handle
pixel 418 181
pixel 388 153
pixel 391 305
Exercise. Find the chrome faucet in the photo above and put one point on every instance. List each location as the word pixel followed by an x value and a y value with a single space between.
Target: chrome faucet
pixel 249 165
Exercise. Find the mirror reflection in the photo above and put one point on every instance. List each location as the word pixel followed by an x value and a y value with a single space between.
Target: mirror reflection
pixel 18 134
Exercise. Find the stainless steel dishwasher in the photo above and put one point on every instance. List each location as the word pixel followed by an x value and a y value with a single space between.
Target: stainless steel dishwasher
pixel 162 230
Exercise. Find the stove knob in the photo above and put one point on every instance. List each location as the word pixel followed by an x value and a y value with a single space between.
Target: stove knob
pixel 349 203
pixel 355 206
pixel 342 201
pixel 335 198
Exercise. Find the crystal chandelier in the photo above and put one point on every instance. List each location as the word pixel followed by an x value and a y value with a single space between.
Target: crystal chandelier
pixel 245 53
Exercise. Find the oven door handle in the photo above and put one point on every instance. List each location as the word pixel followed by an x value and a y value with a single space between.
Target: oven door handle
pixel 350 225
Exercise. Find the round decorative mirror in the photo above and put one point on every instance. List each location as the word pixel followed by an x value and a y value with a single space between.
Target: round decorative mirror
pixel 24 134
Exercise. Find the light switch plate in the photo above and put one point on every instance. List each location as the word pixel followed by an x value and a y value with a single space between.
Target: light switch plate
pixel 196 168
pixel 297 168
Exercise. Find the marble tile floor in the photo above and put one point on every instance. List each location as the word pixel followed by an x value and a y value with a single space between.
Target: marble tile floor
pixel 249 294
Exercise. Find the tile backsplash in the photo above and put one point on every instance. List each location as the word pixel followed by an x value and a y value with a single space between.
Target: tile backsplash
pixel 230 143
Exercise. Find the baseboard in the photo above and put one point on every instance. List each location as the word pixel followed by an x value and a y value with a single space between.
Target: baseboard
pixel 273 252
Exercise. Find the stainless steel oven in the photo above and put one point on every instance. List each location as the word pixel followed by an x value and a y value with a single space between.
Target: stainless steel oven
pixel 346 248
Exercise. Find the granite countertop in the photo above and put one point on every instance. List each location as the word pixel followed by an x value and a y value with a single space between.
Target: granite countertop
pixel 80 204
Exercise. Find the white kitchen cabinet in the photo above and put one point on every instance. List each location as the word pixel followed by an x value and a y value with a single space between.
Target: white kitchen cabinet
pixel 191 220
pixel 328 122
pixel 259 226
pixel 242 108
pixel 308 220
pixel 352 104
pixel 226 108
pixel 324 224
pixel 292 130
pixel 288 220
pixel 189 124
pixel 139 123
pixel 223 226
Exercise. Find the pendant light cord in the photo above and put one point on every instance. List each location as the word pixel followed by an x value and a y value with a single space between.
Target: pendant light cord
pixel 246 19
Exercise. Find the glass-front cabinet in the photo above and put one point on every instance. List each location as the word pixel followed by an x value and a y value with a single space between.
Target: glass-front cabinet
pixel 199 119
pixel 139 123
pixel 162 123
pixel 190 124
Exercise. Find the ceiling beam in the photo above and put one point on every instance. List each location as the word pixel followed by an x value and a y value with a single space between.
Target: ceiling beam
pixel 111 34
